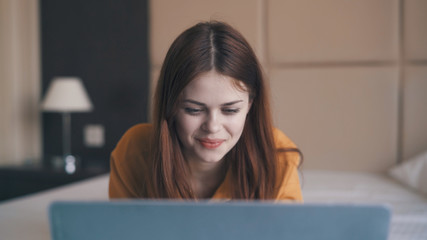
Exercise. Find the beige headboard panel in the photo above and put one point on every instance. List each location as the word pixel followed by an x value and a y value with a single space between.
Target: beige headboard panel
pixel 348 87
pixel 342 118
pixel 415 111
pixel 414 137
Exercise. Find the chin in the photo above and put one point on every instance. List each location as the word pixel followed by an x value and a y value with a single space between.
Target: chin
pixel 212 159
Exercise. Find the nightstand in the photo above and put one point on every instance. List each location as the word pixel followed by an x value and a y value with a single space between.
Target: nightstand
pixel 20 181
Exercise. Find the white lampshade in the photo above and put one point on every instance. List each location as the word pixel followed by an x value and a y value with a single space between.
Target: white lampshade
pixel 66 94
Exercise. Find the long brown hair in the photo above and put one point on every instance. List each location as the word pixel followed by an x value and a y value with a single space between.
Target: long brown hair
pixel 201 48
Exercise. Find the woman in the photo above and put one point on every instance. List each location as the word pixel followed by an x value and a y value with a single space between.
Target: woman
pixel 212 134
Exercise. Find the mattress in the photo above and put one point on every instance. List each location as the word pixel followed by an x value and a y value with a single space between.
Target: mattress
pixel 409 209
pixel 26 217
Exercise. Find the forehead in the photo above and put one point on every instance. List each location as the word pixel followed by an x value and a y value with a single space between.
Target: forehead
pixel 213 86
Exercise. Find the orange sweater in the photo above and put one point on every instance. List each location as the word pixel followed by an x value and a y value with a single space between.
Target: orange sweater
pixel 129 167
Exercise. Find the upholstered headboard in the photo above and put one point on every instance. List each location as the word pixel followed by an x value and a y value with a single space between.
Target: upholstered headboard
pixel 348 78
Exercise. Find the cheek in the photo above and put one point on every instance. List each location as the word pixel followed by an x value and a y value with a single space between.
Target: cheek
pixel 186 126
pixel 235 126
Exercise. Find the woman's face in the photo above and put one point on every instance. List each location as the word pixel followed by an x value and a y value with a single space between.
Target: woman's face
pixel 211 116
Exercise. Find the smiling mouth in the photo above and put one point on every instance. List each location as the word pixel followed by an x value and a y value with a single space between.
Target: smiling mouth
pixel 211 143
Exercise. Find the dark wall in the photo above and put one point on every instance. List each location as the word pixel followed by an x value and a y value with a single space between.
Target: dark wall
pixel 105 44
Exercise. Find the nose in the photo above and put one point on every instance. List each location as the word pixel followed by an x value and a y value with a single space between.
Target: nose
pixel 212 123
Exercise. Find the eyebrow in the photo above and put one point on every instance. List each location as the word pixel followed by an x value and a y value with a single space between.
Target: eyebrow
pixel 203 105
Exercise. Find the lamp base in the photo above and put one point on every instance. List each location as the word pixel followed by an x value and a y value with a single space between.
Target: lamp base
pixel 68 163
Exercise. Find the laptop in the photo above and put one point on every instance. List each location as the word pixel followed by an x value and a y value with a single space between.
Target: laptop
pixel 189 220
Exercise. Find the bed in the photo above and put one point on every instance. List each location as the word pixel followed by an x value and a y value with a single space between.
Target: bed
pixel 26 218
pixel 409 208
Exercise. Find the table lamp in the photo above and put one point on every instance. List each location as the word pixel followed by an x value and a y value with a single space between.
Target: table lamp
pixel 66 95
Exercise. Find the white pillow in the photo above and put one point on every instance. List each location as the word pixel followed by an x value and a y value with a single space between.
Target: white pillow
pixel 412 172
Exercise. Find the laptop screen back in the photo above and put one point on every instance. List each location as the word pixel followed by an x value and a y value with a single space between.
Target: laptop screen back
pixel 141 219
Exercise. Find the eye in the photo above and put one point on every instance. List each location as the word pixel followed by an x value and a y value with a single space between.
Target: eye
pixel 230 111
pixel 193 111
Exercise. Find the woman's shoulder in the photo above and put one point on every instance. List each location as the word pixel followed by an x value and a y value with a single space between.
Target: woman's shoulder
pixel 136 138
pixel 129 165
pixel 141 131
pixel 281 140
pixel 286 146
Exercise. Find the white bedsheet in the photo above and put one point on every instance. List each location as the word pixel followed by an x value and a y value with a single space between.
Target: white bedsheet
pixel 26 218
pixel 409 209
